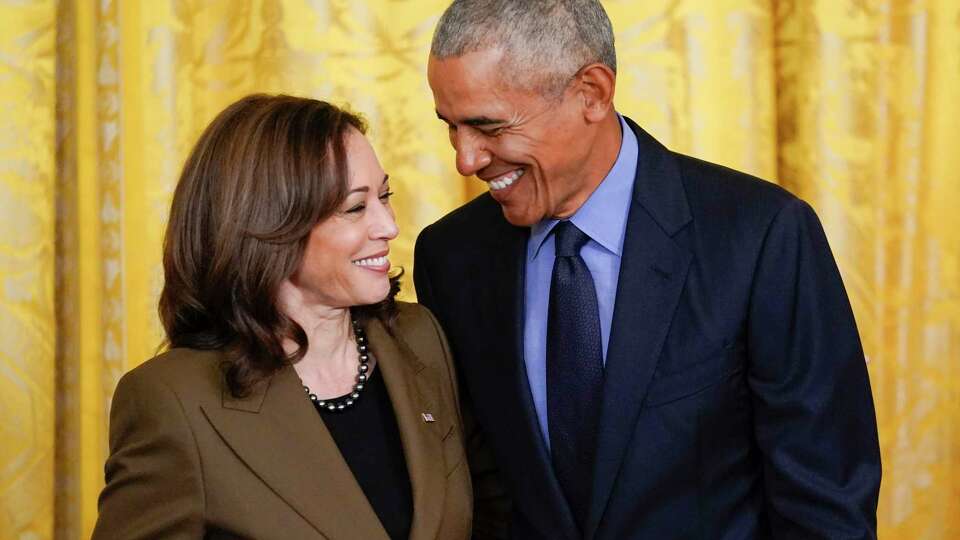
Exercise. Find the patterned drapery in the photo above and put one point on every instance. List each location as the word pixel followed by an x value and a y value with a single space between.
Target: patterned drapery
pixel 851 104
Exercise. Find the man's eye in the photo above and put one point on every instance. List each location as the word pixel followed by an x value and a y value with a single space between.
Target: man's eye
pixel 493 132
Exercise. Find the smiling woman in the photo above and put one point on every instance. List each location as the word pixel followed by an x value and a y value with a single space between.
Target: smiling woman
pixel 265 174
pixel 298 398
pixel 345 261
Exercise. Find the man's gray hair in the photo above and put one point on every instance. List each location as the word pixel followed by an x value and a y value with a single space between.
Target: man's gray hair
pixel 544 42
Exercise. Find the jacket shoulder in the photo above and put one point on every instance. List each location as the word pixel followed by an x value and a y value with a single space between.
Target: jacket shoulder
pixel 188 373
pixel 705 179
pixel 720 197
pixel 417 326
pixel 471 220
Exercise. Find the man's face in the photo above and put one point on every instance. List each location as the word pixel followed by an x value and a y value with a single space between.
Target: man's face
pixel 531 150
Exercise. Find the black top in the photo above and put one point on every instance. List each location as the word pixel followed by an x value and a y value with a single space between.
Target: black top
pixel 369 440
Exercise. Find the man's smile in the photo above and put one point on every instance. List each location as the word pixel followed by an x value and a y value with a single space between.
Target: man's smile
pixel 504 180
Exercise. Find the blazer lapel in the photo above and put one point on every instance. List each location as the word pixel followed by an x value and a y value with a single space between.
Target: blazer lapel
pixel 278 434
pixel 411 386
pixel 505 314
pixel 652 274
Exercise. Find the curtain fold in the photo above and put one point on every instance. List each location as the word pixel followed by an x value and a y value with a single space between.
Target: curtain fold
pixel 867 113
pixel 851 104
pixel 27 320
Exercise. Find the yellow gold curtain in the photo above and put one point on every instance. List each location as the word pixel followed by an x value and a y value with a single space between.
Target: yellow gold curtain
pixel 851 104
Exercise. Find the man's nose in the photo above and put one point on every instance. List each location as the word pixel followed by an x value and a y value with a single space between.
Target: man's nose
pixel 472 155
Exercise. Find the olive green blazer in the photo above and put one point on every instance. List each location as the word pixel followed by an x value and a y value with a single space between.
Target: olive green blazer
pixel 187 460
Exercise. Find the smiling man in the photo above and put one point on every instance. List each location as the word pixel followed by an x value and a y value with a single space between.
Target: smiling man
pixel 542 156
pixel 650 346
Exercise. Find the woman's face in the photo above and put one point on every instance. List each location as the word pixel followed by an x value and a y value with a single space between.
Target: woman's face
pixel 345 263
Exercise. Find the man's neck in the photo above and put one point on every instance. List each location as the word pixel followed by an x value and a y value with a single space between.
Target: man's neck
pixel 601 159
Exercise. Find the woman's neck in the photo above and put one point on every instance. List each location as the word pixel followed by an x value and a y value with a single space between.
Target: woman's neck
pixel 329 365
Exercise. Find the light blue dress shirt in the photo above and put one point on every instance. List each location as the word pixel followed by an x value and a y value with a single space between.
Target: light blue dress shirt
pixel 603 217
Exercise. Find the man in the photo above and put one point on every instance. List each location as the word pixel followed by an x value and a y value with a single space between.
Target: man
pixel 652 346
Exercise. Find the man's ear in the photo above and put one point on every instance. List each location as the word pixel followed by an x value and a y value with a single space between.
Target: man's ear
pixel 597 83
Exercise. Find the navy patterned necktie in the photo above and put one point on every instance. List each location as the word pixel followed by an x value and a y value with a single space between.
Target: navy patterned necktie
pixel 574 369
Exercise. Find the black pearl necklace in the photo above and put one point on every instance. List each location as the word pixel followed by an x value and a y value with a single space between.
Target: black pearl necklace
pixel 342 403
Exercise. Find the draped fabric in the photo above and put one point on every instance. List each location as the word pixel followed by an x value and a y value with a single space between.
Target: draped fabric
pixel 851 104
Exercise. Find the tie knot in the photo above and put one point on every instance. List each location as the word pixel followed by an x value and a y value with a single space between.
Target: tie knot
pixel 569 239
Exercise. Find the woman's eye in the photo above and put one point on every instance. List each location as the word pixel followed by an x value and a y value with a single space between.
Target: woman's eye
pixel 386 196
pixel 356 209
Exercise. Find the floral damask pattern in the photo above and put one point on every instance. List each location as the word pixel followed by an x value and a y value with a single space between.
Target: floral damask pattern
pixel 851 104
pixel 27 327
pixel 866 93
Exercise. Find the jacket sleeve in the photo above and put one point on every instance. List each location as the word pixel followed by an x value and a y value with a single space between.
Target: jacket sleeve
pixel 815 422
pixel 491 503
pixel 154 485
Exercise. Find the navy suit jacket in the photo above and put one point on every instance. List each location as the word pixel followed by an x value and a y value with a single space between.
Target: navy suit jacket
pixel 736 401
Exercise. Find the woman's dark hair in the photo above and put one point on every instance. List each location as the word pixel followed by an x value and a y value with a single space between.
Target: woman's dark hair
pixel 263 174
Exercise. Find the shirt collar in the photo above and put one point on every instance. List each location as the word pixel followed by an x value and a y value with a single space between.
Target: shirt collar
pixel 603 216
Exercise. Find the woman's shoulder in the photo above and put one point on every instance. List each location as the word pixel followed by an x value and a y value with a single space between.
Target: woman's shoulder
pixel 185 372
pixel 417 325
pixel 419 329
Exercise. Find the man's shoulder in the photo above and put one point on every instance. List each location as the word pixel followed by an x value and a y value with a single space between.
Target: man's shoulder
pixel 718 193
pixel 471 215
pixel 705 179
pixel 706 185
pixel 476 220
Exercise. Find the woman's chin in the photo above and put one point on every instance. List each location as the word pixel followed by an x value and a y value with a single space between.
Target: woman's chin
pixel 373 295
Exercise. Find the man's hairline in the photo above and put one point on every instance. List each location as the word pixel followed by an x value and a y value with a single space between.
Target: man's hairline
pixel 540 89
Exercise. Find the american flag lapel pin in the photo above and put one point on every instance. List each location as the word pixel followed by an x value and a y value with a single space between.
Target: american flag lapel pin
pixel 427 417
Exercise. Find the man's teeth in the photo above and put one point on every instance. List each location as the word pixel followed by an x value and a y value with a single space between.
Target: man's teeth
pixel 372 261
pixel 506 180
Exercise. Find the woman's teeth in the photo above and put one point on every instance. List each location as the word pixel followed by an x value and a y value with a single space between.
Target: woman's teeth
pixel 505 181
pixel 372 261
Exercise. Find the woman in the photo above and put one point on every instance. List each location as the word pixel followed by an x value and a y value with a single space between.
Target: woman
pixel 298 399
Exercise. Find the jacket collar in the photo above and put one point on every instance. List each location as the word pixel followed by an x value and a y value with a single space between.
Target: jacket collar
pixel 658 186
pixel 653 271
pixel 278 434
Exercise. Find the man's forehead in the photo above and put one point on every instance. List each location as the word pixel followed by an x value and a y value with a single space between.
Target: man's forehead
pixel 472 73
pixel 472 96
pixel 472 105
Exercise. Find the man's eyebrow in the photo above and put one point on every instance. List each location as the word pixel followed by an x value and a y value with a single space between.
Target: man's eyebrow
pixel 476 121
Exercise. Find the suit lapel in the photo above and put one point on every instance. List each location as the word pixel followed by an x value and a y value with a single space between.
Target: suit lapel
pixel 505 314
pixel 280 436
pixel 282 439
pixel 409 384
pixel 652 273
